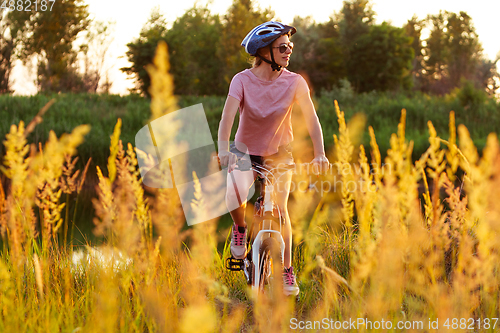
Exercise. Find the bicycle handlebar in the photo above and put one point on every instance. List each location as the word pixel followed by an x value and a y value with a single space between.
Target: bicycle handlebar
pixel 244 165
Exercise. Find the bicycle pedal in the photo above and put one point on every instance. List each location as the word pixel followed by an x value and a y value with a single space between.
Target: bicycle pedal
pixel 234 264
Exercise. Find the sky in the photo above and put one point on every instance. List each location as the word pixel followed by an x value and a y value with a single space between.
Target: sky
pixel 129 17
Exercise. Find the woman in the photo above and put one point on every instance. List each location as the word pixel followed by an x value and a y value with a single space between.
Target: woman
pixel 265 95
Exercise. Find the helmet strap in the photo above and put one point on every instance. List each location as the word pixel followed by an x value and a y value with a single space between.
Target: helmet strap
pixel 273 63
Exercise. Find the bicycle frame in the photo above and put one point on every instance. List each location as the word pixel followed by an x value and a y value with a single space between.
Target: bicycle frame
pixel 266 226
pixel 268 215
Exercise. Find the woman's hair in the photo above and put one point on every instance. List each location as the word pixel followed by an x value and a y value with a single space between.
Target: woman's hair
pixel 256 61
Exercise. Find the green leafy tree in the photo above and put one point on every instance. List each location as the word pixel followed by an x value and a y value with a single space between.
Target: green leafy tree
pixel 51 34
pixel 6 53
pixel 330 64
pixel 464 47
pixel 413 29
pixel 383 58
pixel 194 42
pixel 434 78
pixel 354 21
pixel 318 52
pixel 304 52
pixel 241 17
pixel 452 54
pixel 487 76
pixel 305 41
pixel 142 50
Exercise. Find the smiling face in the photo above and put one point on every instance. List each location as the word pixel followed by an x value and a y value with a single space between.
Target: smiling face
pixel 281 59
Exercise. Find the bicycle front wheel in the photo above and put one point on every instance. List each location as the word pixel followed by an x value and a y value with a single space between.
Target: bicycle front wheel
pixel 270 265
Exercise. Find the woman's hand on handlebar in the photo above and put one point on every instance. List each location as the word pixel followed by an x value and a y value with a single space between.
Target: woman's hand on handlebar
pixel 320 164
pixel 227 158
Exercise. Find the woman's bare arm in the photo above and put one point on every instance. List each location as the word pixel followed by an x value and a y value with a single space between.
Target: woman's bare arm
pixel 225 126
pixel 315 131
pixel 312 124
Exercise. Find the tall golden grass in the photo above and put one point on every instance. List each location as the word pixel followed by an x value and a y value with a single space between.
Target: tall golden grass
pixel 416 242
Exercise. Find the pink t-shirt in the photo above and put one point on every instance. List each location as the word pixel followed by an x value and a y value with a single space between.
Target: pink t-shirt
pixel 266 110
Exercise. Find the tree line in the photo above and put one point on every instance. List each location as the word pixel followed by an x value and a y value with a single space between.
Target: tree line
pixel 47 39
pixel 351 49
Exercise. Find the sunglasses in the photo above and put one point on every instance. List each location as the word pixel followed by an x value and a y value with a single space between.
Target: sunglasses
pixel 283 47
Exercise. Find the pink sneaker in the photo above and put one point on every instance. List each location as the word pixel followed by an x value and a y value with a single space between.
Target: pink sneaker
pixel 239 242
pixel 290 286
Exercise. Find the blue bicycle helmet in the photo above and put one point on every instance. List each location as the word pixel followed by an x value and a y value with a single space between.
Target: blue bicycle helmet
pixel 264 35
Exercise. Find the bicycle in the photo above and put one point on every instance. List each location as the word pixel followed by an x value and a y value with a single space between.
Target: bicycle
pixel 264 259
